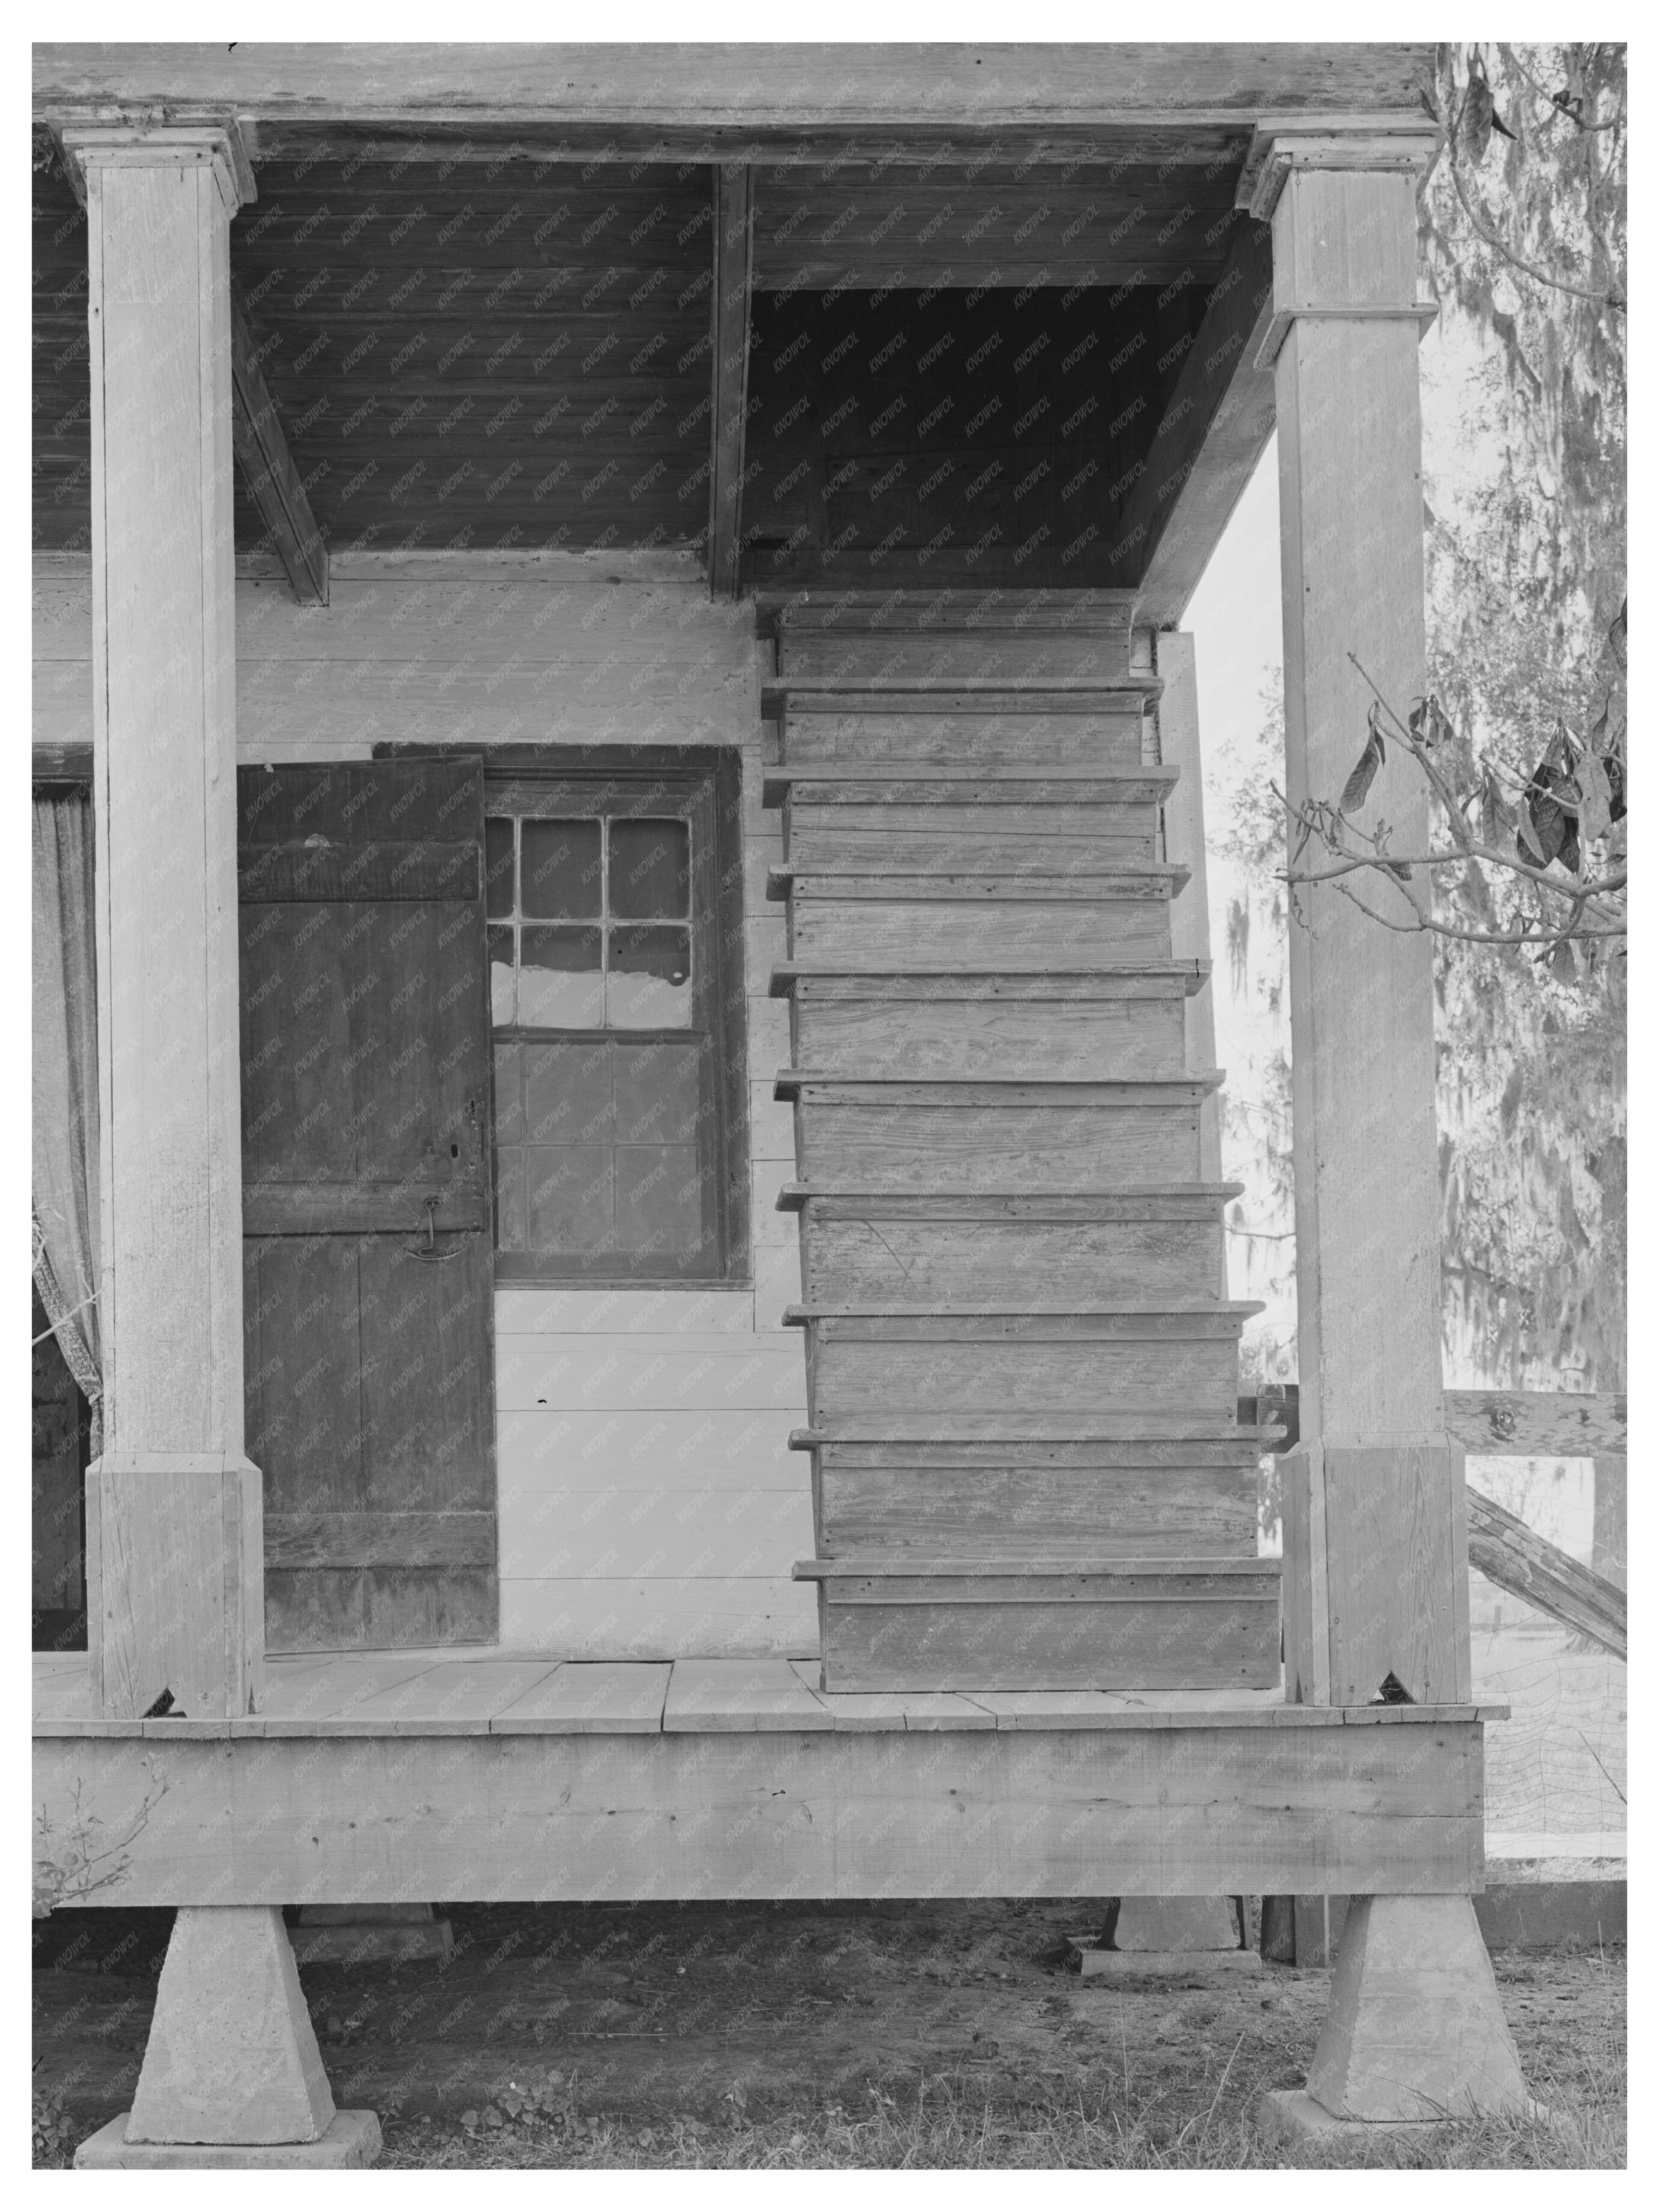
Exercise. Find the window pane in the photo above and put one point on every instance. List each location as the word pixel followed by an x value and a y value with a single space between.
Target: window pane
pixel 501 976
pixel 659 1201
pixel 560 871
pixel 659 1089
pixel 650 869
pixel 560 985
pixel 509 1094
pixel 650 982
pixel 567 1195
pixel 510 1198
pixel 567 1087
pixel 498 868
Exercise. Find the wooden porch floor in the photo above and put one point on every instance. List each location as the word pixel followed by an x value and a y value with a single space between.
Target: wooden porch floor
pixel 486 1693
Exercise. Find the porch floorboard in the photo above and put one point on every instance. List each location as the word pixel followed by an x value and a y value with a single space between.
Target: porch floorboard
pixel 488 1692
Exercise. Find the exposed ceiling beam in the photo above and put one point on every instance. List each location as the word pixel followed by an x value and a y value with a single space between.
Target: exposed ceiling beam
pixel 734 237
pixel 1205 450
pixel 262 449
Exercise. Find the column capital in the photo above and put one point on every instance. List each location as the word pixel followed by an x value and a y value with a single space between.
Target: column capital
pixel 1402 144
pixel 216 142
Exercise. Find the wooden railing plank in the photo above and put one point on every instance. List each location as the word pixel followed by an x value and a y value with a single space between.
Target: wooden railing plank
pixel 1536 1424
pixel 1519 1560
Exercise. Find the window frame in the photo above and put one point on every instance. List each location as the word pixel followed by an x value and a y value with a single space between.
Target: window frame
pixel 702 784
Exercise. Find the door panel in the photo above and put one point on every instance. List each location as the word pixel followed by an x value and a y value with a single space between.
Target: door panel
pixel 370 1281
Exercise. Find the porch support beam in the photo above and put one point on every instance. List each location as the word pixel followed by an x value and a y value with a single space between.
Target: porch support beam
pixel 1377 1563
pixel 175 1600
pixel 1377 1560
pixel 273 480
pixel 734 245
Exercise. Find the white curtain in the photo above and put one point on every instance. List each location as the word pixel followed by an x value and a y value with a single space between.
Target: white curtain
pixel 65 1089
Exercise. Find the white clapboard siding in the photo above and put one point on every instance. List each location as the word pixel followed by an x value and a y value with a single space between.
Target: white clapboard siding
pixel 559 650
pixel 579 1310
pixel 723 1371
pixel 660 1534
pixel 542 1449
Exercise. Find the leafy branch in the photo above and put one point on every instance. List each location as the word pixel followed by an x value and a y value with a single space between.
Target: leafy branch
pixel 74 1862
pixel 1556 841
pixel 1465 140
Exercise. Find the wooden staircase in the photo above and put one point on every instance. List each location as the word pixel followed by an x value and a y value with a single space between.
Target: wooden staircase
pixel 1022 1373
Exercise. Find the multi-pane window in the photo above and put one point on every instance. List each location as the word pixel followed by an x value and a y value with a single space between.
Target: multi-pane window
pixel 619 1113
pixel 590 921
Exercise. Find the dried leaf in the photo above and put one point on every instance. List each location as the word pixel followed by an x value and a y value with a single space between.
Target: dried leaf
pixel 1498 819
pixel 1429 722
pixel 1595 800
pixel 1549 823
pixel 1563 965
pixel 1476 121
pixel 1363 774
pixel 1618 634
pixel 1528 842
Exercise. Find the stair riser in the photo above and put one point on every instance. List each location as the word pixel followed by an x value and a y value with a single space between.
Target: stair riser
pixel 1052 824
pixel 967 741
pixel 849 1379
pixel 942 655
pixel 1001 929
pixel 978 1512
pixel 1161 1644
pixel 852 1261
pixel 1080 1039
pixel 822 837
pixel 973 1148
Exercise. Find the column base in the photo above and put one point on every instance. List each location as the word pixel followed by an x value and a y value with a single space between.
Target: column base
pixel 1292 2116
pixel 352 2139
pixel 232 2057
pixel 1174 1936
pixel 1416 2031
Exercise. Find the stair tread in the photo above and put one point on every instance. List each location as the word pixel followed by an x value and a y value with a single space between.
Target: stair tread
pixel 1021 1308
pixel 898 886
pixel 1082 1091
pixel 889 1567
pixel 793 1195
pixel 1090 1430
pixel 785 973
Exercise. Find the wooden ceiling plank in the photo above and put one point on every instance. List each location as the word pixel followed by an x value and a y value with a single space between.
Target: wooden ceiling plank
pixel 273 478
pixel 1213 431
pixel 734 240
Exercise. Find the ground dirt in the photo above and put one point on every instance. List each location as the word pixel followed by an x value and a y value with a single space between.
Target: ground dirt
pixel 882 2035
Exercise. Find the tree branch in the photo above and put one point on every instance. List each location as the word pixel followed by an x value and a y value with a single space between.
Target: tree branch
pixel 1603 299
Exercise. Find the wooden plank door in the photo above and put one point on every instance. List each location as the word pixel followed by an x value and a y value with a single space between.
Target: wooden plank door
pixel 367 1224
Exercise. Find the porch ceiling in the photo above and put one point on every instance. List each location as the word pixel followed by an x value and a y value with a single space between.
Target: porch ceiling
pixel 494 354
pixel 479 281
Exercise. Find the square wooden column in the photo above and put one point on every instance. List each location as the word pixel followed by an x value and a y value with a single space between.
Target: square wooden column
pixel 1375 1564
pixel 175 1564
